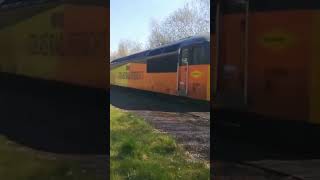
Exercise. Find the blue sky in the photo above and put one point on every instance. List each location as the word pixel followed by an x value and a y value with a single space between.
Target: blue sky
pixel 130 19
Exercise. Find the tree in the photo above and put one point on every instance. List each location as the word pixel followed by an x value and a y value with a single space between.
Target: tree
pixel 125 48
pixel 113 55
pixel 184 22
pixel 158 36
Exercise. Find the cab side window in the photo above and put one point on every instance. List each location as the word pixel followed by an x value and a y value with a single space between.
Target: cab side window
pixel 200 55
pixel 186 56
pixel 162 64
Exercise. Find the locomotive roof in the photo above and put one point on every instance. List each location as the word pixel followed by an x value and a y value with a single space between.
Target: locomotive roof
pixel 172 47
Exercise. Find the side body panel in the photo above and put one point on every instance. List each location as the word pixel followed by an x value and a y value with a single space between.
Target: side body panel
pixel 279 58
pixel 134 75
pixel 279 61
pixel 199 82
pixel 57 44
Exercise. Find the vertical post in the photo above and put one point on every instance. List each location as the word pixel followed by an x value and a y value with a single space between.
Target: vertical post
pixel 187 78
pixel 178 64
pixel 216 65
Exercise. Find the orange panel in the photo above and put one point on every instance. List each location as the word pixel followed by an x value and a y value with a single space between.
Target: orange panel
pixel 85 46
pixel 156 82
pixel 198 81
pixel 278 64
pixel 232 45
pixel 167 82
pixel 137 73
pixel 279 53
pixel 162 82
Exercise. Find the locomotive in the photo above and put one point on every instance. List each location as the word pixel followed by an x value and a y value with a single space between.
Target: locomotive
pixel 266 59
pixel 180 68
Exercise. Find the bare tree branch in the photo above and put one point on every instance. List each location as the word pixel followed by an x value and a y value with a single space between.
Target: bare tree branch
pixel 125 48
pixel 187 21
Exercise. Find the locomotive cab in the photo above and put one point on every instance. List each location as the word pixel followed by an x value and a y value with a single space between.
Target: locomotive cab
pixel 192 58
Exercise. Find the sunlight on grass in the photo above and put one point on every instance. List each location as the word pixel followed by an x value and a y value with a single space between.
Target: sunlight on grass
pixel 139 152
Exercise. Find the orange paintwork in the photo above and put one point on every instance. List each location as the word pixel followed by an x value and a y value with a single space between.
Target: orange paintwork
pixel 198 81
pixel 278 72
pixel 165 82
pixel 83 26
pixel 282 53
pixel 213 70
pixel 66 42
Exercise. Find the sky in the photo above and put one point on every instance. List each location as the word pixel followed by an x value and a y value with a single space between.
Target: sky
pixel 130 19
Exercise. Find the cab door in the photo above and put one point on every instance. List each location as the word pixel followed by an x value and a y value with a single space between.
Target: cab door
pixel 183 71
pixel 233 53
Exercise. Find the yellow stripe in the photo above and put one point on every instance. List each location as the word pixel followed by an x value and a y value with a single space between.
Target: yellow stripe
pixel 114 76
pixel 18 57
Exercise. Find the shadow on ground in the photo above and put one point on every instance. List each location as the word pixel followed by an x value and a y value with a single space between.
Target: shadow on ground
pixel 264 139
pixel 132 99
pixel 53 117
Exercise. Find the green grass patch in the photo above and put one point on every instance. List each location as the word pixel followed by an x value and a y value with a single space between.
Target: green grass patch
pixel 20 164
pixel 140 152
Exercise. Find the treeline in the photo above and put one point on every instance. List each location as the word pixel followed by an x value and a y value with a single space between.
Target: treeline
pixel 191 19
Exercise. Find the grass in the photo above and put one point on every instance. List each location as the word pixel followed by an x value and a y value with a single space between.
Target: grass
pixel 140 152
pixel 23 165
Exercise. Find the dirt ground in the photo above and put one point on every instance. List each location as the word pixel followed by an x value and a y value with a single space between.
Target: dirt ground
pixel 187 121
pixel 234 156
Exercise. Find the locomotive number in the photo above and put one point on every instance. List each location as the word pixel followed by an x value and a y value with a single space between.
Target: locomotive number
pixel 130 75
